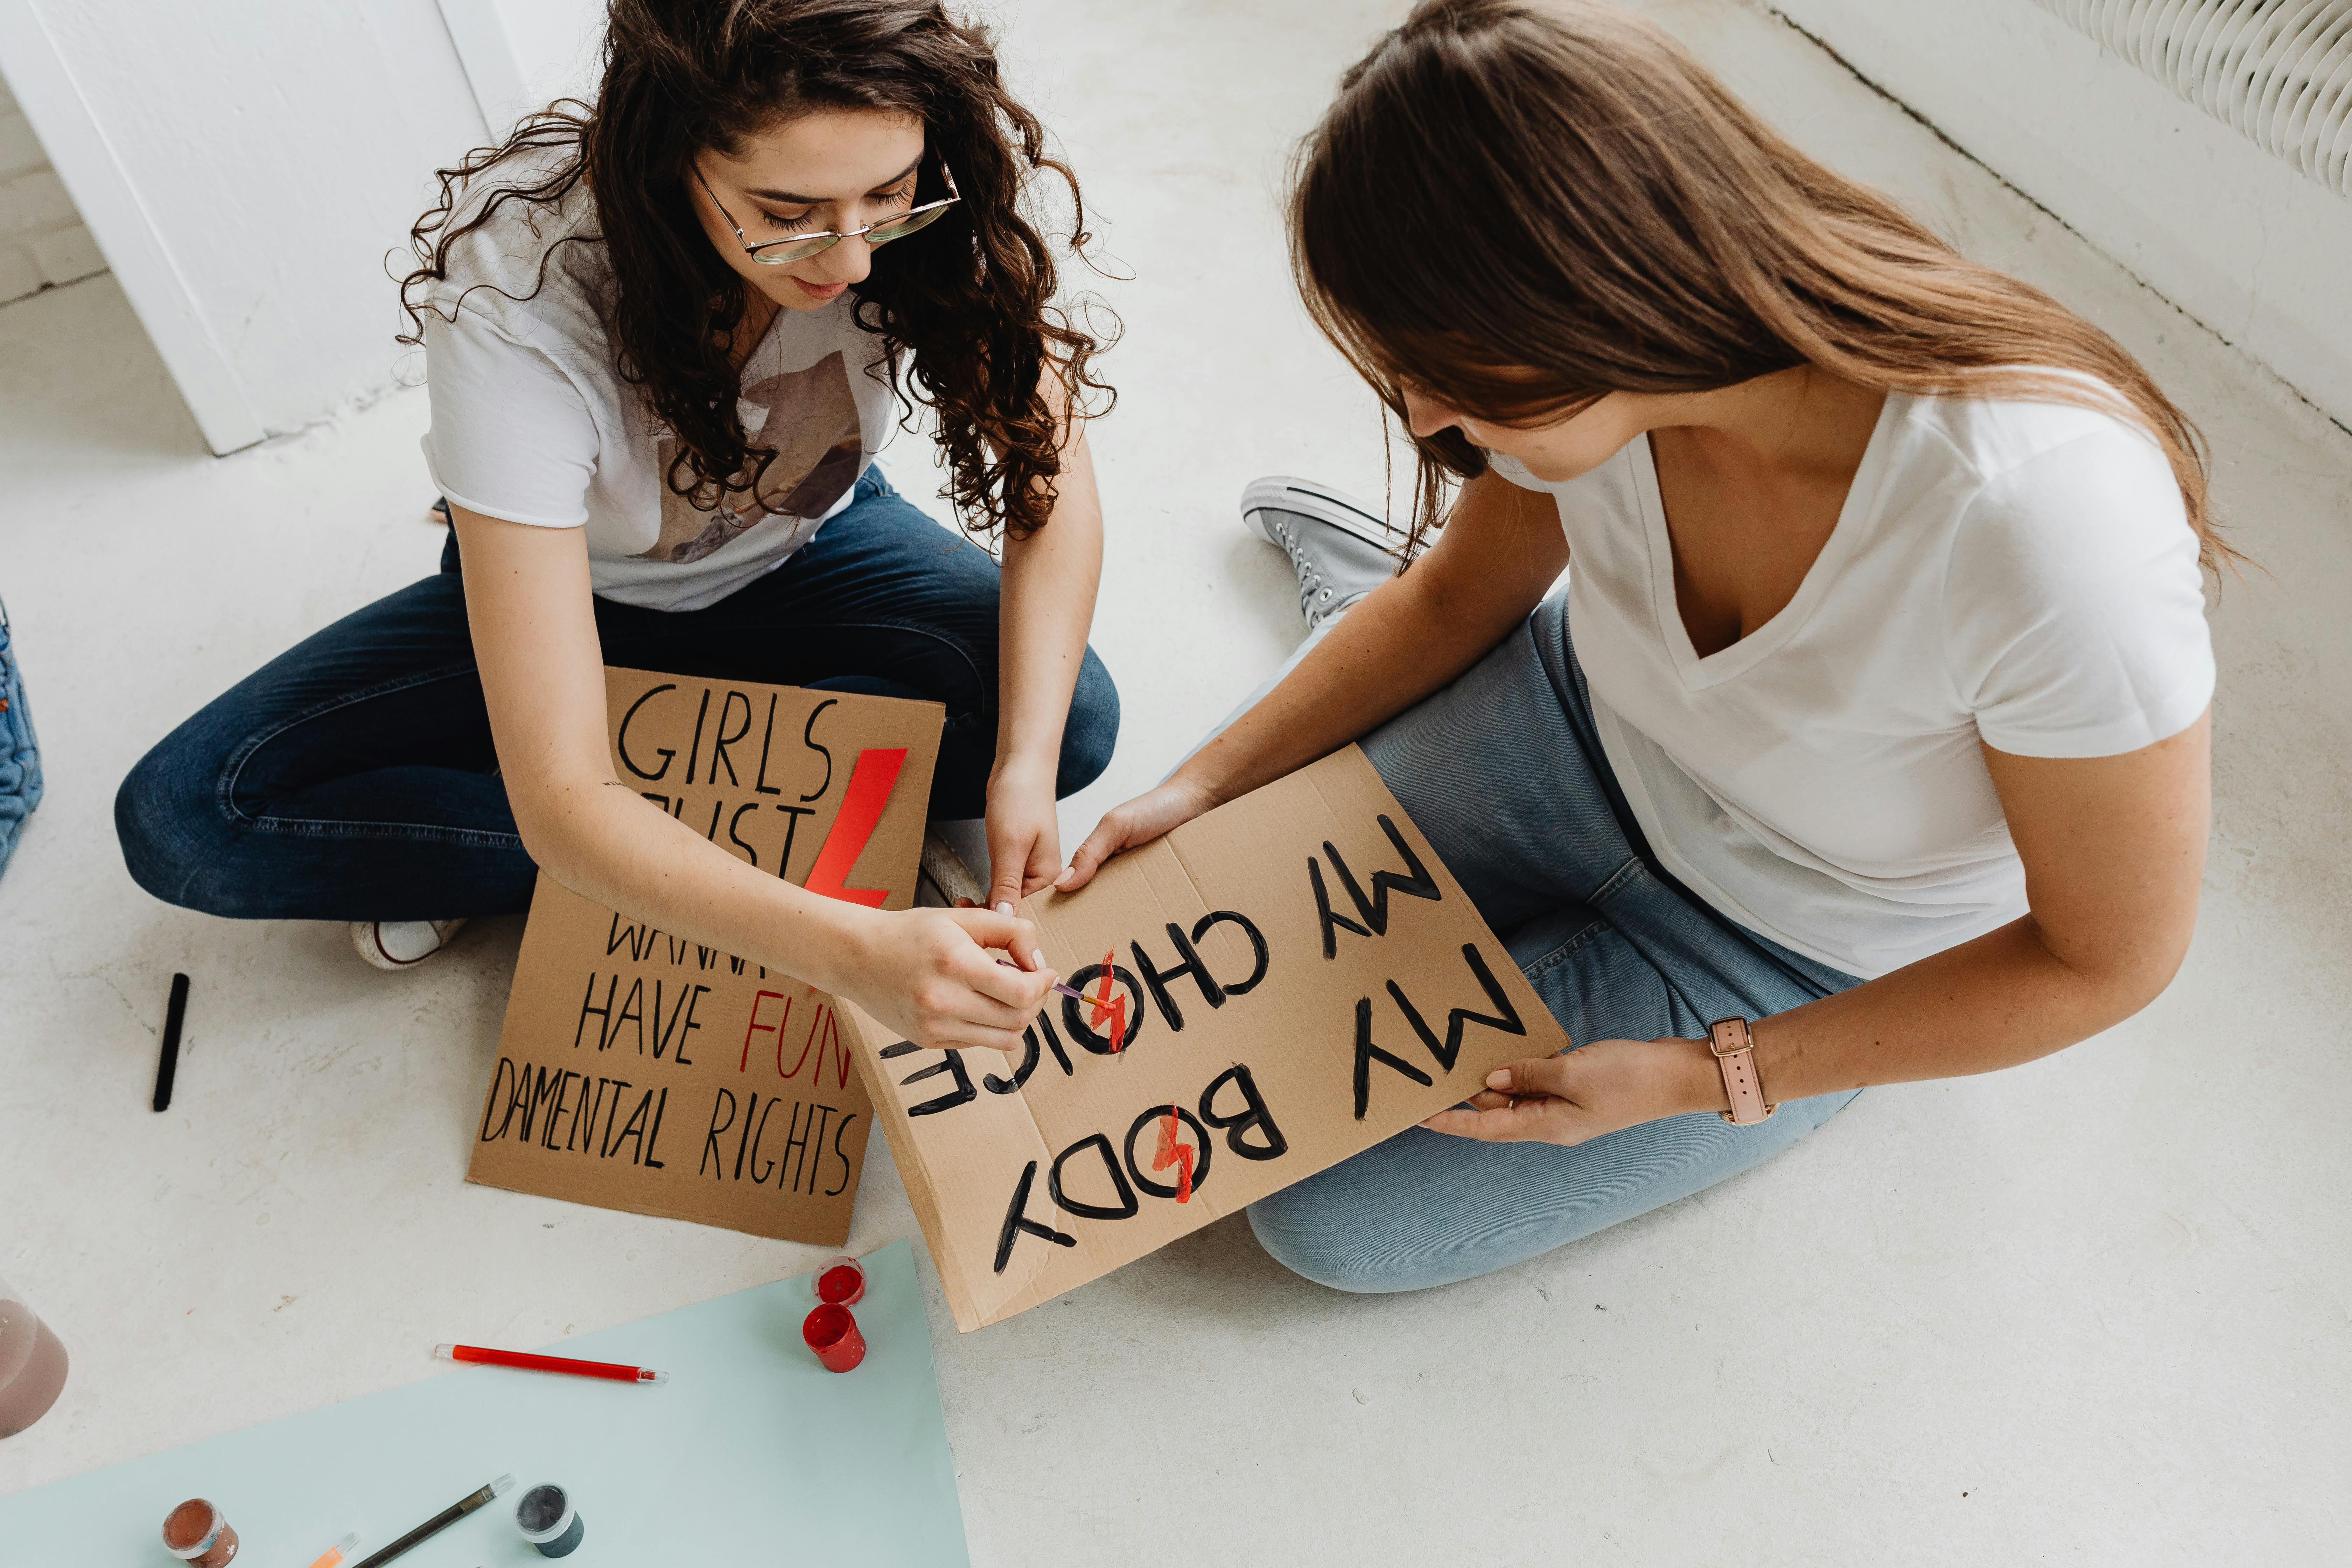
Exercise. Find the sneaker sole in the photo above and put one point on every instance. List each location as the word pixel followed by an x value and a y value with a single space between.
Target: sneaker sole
pixel 1280 492
pixel 947 872
pixel 369 947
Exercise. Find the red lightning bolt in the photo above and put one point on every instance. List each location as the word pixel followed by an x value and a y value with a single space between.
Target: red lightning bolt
pixel 1174 1151
pixel 1104 1004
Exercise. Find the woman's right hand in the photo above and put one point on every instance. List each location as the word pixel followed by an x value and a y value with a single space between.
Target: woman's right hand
pixel 929 975
pixel 1134 824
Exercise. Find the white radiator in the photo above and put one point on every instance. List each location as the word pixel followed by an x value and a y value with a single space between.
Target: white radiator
pixel 2278 71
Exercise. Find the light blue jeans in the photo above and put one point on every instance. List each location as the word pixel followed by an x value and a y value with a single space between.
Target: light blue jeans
pixel 1504 773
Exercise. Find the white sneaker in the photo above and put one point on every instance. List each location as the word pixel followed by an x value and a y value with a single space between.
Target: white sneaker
pixel 401 944
pixel 1340 548
pixel 944 869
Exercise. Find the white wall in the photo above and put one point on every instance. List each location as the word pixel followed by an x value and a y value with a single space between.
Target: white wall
pixel 43 241
pixel 558 45
pixel 2237 238
pixel 523 54
pixel 246 168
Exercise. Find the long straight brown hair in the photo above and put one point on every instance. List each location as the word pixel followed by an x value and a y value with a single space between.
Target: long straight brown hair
pixel 1523 206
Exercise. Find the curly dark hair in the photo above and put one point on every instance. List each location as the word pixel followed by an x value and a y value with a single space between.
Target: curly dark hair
pixel 970 302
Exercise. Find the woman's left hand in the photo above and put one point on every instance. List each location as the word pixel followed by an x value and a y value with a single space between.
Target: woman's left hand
pixel 1582 1094
pixel 1024 837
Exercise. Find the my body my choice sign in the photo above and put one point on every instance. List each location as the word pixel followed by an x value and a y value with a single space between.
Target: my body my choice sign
pixel 1269 989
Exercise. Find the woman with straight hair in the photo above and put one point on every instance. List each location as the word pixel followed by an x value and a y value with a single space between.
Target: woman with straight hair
pixel 1867 742
pixel 663 344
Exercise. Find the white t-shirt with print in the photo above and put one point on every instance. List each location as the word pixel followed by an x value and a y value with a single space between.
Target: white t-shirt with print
pixel 2016 572
pixel 532 423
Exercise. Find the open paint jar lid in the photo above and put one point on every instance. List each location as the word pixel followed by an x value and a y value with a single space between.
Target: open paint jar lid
pixel 839 1282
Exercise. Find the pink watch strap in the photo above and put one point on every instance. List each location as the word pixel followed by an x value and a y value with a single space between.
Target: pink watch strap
pixel 1735 1053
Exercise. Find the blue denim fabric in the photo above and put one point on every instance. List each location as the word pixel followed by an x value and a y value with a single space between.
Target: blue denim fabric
pixel 1504 773
pixel 350 778
pixel 20 755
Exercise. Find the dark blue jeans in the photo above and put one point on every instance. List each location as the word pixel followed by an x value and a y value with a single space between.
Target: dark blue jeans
pixel 351 777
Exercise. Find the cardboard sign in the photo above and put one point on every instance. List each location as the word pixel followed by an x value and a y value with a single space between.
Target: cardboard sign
pixel 645 1071
pixel 1271 988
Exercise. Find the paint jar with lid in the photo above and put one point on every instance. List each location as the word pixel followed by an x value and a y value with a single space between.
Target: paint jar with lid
pixel 840 1281
pixel 548 1521
pixel 197 1533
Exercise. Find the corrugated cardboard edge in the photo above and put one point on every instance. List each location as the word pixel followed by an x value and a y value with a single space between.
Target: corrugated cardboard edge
pixel 914 1175
pixel 830 1238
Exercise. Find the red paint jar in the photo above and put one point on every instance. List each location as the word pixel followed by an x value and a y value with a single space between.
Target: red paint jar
pixel 196 1533
pixel 832 1332
pixel 839 1280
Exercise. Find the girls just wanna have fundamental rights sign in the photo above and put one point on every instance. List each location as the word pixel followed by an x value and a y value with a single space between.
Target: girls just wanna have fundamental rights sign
pixel 638 1069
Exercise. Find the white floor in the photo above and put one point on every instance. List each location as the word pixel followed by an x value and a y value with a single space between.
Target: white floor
pixel 2098 1310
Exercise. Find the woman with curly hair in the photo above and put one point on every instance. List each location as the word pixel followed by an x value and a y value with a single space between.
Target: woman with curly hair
pixel 663 344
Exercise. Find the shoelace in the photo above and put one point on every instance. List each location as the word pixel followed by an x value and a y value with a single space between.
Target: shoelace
pixel 1310 576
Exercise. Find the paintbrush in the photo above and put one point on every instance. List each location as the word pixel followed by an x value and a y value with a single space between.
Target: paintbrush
pixel 1064 990
pixel 442 1520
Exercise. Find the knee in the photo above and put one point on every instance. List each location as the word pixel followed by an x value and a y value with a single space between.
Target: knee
pixel 1092 731
pixel 1315 1243
pixel 173 832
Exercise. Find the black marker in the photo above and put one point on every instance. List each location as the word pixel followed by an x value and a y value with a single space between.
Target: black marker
pixel 168 1064
pixel 442 1520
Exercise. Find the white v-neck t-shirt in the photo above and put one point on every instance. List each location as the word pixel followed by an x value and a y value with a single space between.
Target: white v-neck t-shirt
pixel 532 421
pixel 2013 573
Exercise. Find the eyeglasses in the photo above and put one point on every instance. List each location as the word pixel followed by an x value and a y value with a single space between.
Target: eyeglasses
pixel 800 248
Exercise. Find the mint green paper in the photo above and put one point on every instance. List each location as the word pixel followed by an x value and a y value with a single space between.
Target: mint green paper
pixel 752 1453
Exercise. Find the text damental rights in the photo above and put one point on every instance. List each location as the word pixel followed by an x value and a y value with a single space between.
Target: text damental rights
pixel 639 1070
pixel 1273 987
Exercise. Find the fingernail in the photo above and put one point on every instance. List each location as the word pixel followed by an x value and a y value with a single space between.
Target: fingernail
pixel 1004 909
pixel 1067 872
pixel 1037 959
pixel 1499 1078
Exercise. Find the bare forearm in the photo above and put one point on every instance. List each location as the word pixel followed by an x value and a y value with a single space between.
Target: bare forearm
pixel 2005 998
pixel 1501 548
pixel 1998 1001
pixel 606 843
pixel 1048 599
pixel 927 974
pixel 1392 650
pixel 2114 850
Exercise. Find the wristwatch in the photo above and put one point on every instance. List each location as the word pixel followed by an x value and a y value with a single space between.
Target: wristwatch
pixel 1734 1052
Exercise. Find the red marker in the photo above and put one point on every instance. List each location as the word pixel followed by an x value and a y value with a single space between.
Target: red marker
pixel 607 1369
